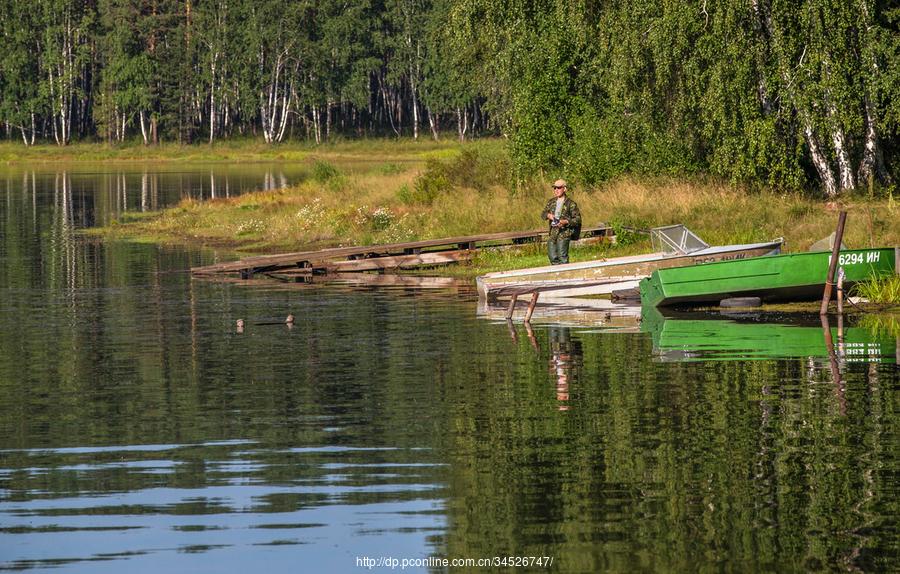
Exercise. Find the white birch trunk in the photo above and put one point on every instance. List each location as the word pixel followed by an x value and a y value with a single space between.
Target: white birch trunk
pixel 286 106
pixel 415 118
pixel 53 99
pixel 212 97
pixel 845 169
pixel 388 107
pixel 415 108
pixel 262 119
pixel 328 105
pixel 143 128
pixel 65 86
pixel 317 128
pixel 826 176
pixel 273 98
pixel 282 97
pixel 432 123
pixel 872 162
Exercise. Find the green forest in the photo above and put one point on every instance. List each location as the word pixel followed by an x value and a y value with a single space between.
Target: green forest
pixel 787 94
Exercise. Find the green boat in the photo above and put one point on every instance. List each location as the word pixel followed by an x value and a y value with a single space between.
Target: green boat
pixel 790 277
pixel 700 336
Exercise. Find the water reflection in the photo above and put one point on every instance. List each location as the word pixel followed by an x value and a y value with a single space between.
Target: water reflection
pixel 97 196
pixel 711 336
pixel 719 335
pixel 42 209
pixel 564 354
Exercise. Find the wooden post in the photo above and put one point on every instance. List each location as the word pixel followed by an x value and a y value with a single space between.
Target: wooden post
pixel 835 254
pixel 512 306
pixel 534 298
pixel 840 290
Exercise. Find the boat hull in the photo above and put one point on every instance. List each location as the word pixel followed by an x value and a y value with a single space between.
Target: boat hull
pixel 606 275
pixel 791 277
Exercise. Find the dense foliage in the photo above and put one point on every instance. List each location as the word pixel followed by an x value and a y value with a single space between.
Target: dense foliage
pixel 760 91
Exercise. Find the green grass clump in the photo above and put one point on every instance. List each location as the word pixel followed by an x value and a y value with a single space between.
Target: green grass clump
pixel 323 171
pixel 481 167
pixel 883 289
pixel 433 182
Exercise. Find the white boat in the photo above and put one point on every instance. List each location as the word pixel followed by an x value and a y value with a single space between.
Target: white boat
pixel 673 245
pixel 598 313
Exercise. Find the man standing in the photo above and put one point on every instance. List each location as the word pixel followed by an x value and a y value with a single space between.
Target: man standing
pixel 565 223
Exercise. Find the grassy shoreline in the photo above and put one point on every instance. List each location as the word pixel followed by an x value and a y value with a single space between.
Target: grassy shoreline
pixel 242 150
pixel 420 190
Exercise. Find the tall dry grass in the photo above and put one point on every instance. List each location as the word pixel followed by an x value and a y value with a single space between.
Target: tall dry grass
pixel 723 214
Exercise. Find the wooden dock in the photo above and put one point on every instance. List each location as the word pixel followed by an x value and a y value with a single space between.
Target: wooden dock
pixel 410 255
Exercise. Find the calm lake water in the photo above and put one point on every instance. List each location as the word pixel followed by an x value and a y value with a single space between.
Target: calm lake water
pixel 140 432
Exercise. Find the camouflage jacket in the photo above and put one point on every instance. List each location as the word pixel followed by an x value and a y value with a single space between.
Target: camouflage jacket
pixel 569 211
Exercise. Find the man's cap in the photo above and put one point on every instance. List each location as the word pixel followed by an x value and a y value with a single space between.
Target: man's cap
pixel 560 183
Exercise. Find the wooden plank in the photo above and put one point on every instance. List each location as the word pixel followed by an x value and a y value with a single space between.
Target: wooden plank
pixel 390 249
pixel 524 288
pixel 399 261
pixel 395 280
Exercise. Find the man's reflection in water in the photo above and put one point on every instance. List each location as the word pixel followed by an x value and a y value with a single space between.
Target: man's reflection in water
pixel 563 355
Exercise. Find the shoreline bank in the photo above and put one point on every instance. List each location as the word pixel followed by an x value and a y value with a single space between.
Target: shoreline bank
pixel 409 191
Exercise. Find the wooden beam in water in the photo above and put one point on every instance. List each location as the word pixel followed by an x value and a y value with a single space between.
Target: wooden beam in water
pixel 251 265
pixel 512 306
pixel 413 261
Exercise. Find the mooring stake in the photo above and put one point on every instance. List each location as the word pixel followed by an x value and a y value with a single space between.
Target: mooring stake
pixel 512 306
pixel 531 306
pixel 835 254
pixel 840 290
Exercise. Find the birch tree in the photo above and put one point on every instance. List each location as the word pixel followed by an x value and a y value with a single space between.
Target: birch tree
pixel 20 98
pixel 64 50
pixel 123 92
pixel 274 35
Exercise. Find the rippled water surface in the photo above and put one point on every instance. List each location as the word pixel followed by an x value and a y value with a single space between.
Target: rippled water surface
pixel 140 431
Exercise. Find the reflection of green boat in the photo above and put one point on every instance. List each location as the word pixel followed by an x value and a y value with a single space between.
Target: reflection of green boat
pixel 791 277
pixel 709 337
